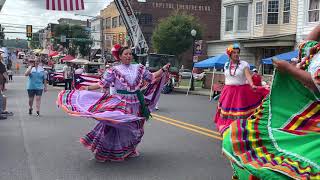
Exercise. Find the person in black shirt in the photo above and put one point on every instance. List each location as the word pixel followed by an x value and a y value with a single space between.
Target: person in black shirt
pixel 3 80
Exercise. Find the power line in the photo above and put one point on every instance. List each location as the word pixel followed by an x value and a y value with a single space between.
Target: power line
pixel 18 27
pixel 19 24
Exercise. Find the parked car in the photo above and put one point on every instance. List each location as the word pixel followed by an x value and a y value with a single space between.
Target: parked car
pixel 185 73
pixel 56 75
pixel 48 70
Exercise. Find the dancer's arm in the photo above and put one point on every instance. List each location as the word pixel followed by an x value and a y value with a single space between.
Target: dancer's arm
pixel 314 34
pixel 249 77
pixel 158 73
pixel 303 76
pixel 89 88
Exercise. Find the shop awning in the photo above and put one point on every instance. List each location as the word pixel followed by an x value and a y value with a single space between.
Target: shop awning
pixel 53 53
pixel 217 62
pixel 285 56
pixel 67 58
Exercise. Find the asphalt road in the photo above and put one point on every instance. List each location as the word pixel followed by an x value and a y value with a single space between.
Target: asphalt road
pixel 179 143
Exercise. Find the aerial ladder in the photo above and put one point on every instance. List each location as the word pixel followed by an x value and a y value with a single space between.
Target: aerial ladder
pixel 2 4
pixel 131 23
pixel 140 44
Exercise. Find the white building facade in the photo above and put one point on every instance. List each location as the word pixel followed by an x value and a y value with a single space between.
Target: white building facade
pixel 308 17
pixel 263 28
pixel 96 32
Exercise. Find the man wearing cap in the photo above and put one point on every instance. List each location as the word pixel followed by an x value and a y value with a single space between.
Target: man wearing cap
pixel 256 78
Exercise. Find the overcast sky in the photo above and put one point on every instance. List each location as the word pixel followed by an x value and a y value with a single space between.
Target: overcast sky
pixel 18 13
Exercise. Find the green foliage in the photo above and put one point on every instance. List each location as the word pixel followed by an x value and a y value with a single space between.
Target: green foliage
pixel 173 34
pixel 76 37
pixel 2 36
pixel 13 43
pixel 35 43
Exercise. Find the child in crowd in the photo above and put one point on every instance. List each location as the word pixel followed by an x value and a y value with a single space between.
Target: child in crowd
pixel 10 74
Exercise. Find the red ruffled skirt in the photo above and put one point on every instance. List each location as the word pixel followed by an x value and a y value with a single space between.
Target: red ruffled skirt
pixel 237 102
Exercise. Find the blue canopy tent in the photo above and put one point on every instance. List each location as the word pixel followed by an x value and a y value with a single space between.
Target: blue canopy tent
pixel 217 62
pixel 213 62
pixel 285 56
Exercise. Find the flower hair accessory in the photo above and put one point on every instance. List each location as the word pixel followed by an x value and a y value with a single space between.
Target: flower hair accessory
pixel 115 51
pixel 232 47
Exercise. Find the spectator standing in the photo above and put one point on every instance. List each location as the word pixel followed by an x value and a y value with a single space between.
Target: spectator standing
pixel 256 78
pixel 37 83
pixel 67 74
pixel 3 80
pixel 17 67
pixel 3 72
pixel 10 74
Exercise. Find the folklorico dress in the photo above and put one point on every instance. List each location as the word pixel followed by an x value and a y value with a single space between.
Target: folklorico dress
pixel 282 139
pixel 120 116
pixel 237 100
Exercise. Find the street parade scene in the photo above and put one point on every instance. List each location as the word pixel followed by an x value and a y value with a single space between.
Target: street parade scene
pixel 159 90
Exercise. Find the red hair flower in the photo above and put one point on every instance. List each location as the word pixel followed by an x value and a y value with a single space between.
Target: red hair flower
pixel 115 51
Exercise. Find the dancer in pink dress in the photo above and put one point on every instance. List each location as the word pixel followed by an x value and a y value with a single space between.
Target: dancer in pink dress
pixel 120 116
pixel 240 96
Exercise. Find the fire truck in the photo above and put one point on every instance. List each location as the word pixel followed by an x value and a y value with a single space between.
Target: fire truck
pixel 152 61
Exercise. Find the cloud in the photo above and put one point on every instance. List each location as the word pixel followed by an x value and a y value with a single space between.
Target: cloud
pixel 18 13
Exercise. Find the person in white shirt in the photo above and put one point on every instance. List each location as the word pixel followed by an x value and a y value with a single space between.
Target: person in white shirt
pixel 10 74
pixel 68 76
pixel 239 97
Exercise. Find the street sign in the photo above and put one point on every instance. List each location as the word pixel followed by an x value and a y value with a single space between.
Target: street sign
pixel 198 47
pixel 63 38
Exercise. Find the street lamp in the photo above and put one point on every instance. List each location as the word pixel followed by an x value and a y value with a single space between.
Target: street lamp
pixel 193 34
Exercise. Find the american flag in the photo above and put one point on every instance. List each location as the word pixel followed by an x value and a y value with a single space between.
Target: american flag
pixel 65 5
pixel 85 80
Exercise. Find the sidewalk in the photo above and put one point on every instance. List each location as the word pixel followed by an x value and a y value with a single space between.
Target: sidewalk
pixel 197 91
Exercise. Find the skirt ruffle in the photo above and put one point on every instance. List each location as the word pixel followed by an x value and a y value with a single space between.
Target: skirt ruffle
pixel 280 140
pixel 237 102
pixel 114 144
pixel 111 109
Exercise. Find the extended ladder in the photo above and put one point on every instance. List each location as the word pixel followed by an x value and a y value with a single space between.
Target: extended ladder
pixel 132 25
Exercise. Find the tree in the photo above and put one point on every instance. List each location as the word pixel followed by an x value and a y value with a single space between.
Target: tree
pixel 35 42
pixel 2 36
pixel 76 37
pixel 82 39
pixel 172 35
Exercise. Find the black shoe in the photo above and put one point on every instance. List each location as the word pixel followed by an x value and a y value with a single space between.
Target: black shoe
pixel 38 113
pixel 7 113
pixel 3 117
pixel 30 111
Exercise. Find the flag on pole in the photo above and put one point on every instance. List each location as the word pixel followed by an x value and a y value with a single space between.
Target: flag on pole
pixel 85 80
pixel 64 5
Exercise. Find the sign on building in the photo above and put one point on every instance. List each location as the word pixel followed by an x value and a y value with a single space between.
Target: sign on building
pixel 198 48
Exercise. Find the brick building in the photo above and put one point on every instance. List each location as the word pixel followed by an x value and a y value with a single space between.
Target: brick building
pixel 114 30
pixel 149 13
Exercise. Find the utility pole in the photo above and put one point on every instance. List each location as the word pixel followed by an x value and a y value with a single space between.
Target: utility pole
pixel 102 39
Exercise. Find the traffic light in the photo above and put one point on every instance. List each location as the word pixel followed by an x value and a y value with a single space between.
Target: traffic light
pixel 121 38
pixel 29 31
